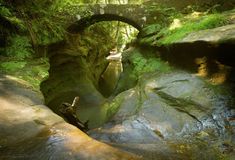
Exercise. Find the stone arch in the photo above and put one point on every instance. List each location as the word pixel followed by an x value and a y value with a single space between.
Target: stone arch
pixel 88 21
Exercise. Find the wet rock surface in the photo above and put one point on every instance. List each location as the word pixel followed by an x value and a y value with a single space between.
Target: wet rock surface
pixel 110 77
pixel 173 115
pixel 29 130
pixel 164 114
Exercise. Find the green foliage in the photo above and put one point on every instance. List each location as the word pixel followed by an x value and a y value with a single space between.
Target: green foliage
pixel 149 40
pixel 39 19
pixel 33 71
pixel 192 22
pixel 4 11
pixel 47 31
pixel 35 76
pixel 143 64
pixel 64 8
pixel 164 14
pixel 12 66
pixel 8 15
pixel 92 46
pixel 151 29
pixel 45 20
pixel 118 32
pixel 18 22
pixel 202 23
pixel 19 48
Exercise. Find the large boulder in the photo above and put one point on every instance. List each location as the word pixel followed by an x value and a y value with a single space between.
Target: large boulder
pixel 29 130
pixel 215 35
pixel 172 109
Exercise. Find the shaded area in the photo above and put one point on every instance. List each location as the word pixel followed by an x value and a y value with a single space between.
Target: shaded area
pixel 184 55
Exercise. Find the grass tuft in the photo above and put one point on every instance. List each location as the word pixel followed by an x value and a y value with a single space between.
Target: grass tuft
pixel 202 23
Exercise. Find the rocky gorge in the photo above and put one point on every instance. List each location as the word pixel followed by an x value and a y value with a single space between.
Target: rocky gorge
pixel 171 96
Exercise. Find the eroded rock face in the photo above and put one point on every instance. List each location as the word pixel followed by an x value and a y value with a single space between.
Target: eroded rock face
pixel 169 110
pixel 30 130
pixel 110 77
pixel 75 69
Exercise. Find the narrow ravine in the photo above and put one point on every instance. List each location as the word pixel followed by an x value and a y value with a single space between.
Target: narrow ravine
pixel 117 80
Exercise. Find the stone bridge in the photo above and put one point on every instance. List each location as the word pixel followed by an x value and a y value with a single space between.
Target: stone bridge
pixel 136 15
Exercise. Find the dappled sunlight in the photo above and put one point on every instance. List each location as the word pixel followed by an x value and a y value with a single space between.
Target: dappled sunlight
pixel 151 85
pixel 132 92
pixel 218 76
pixel 86 147
pixel 175 24
pixel 195 15
pixel 45 133
pixel 221 76
pixel 17 80
pixel 122 33
pixel 117 129
pixel 202 69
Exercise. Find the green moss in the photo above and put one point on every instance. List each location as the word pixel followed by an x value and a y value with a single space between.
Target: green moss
pixel 149 40
pixel 113 106
pixel 151 29
pixel 202 23
pixel 188 23
pixel 144 64
pixel 32 71
pixel 12 66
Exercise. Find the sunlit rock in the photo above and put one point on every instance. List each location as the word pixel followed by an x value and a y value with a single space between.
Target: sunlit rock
pixel 170 108
pixel 32 131
pixel 175 24
pixel 216 35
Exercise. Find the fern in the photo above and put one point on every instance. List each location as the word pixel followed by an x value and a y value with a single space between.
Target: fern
pixel 19 48
pixel 4 11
